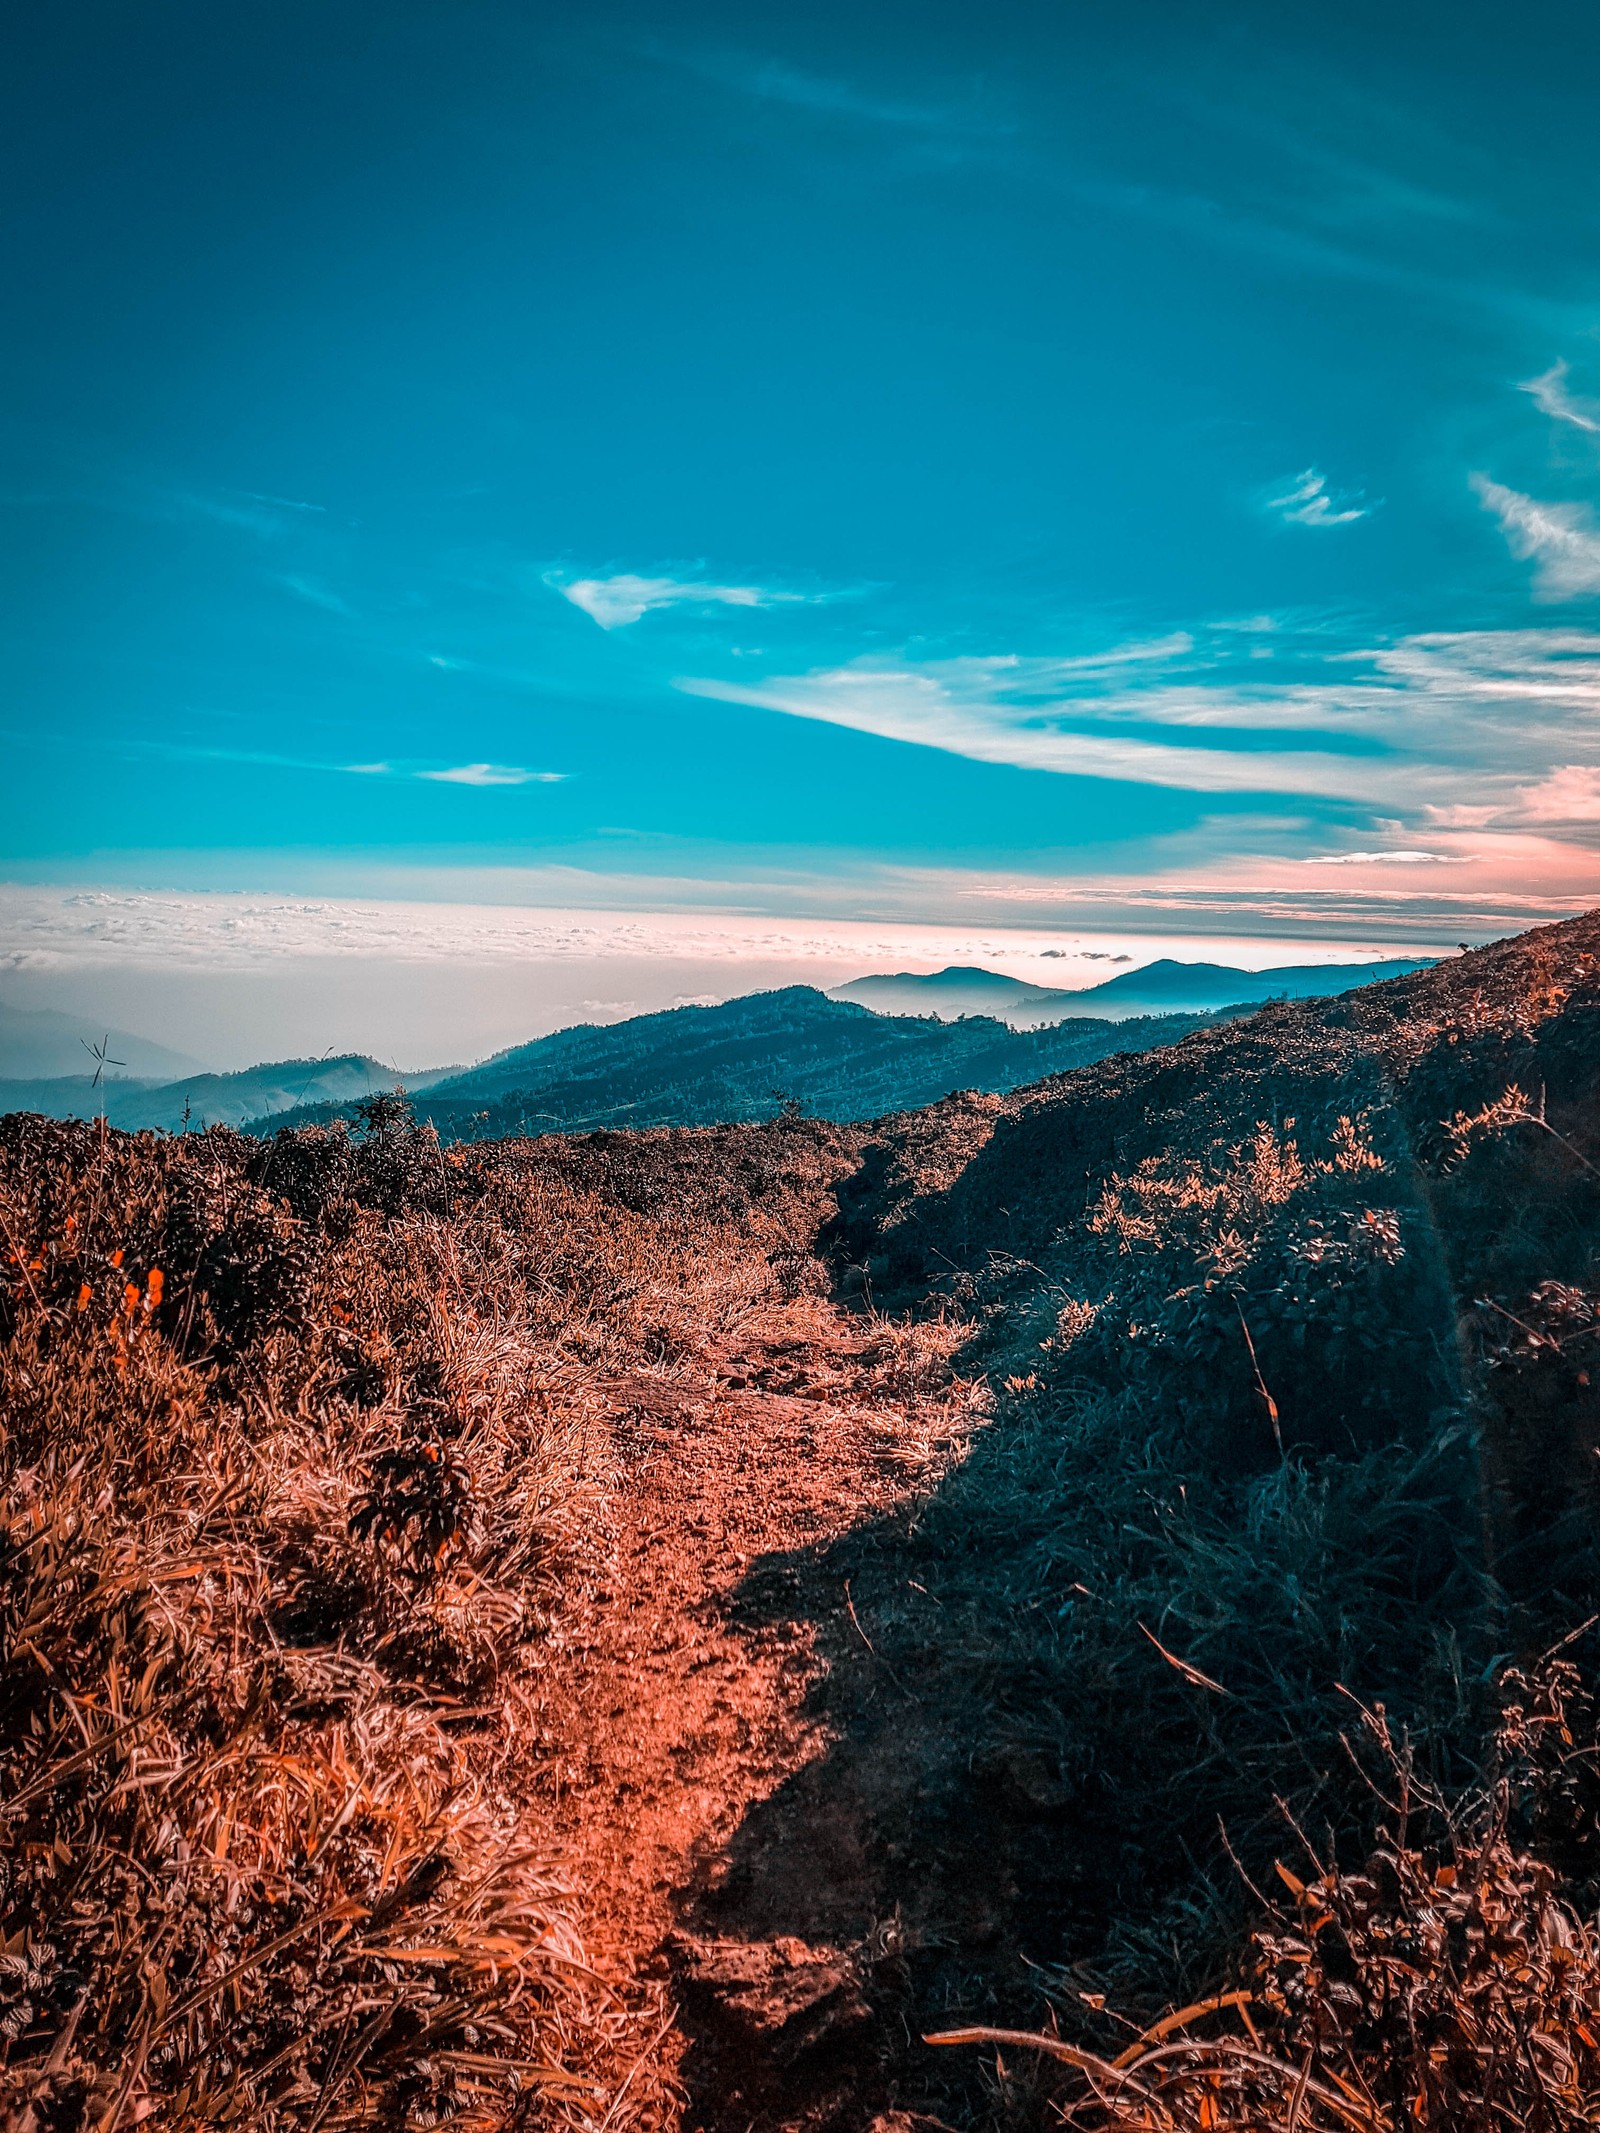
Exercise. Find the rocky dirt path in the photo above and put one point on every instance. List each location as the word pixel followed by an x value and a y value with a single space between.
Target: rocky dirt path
pixel 675 1707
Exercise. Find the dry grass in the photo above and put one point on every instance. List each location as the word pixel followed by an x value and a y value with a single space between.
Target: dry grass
pixel 303 1466
pixel 1348 1358
pixel 299 1463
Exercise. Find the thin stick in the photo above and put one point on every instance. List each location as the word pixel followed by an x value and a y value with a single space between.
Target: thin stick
pixel 856 1619
pixel 16 1253
pixel 871 1647
pixel 1261 1383
pixel 1189 1673
pixel 627 2080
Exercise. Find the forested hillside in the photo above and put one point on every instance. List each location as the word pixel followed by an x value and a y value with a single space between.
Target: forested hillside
pixel 750 1059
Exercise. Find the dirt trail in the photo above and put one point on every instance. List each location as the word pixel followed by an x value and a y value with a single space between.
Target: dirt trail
pixel 681 1708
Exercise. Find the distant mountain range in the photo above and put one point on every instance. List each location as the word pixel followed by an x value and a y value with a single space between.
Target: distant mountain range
pixel 204 1099
pixel 1160 988
pixel 881 1044
pixel 38 1044
pixel 747 1059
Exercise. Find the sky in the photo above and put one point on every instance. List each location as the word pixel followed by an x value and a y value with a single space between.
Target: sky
pixel 1080 473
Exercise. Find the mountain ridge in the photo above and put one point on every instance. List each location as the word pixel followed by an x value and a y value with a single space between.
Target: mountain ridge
pixel 44 1043
pixel 1164 986
pixel 749 1059
pixel 738 1060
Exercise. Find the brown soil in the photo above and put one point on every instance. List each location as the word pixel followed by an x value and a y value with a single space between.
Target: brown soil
pixel 681 1696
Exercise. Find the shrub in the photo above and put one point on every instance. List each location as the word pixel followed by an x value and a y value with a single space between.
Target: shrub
pixel 1268 1287
pixel 1451 1980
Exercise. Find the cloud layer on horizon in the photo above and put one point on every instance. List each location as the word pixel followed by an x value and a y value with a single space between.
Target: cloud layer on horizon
pixel 66 927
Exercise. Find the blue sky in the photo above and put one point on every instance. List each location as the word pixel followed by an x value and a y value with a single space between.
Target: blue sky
pixel 865 458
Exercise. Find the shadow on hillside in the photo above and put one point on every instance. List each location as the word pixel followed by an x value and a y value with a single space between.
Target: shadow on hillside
pixel 1017 1782
pixel 1024 1798
pixel 912 1842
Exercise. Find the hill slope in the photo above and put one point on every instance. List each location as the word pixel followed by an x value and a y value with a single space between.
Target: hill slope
pixel 910 1575
pixel 1293 1331
pixel 746 1059
pixel 38 1044
pixel 201 1100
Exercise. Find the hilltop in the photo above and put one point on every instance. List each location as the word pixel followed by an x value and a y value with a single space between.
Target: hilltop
pixel 827 1582
pixel 904 1042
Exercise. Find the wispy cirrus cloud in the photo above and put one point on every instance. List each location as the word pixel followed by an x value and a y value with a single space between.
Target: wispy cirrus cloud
pixel 479 774
pixel 1468 725
pixel 952 120
pixel 240 511
pixel 1027 713
pixel 1393 858
pixel 1562 541
pixel 286 503
pixel 773 82
pixel 254 511
pixel 1550 395
pixel 1570 794
pixel 625 598
pixel 1307 502
pixel 314 593
pixel 491 774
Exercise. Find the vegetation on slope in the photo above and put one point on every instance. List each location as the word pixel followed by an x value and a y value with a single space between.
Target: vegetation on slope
pixel 1292 1330
pixel 751 1059
pixel 1291 1482
pixel 300 1468
pixel 1451 1980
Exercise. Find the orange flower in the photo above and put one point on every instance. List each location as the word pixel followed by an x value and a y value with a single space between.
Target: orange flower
pixel 116 1258
pixel 130 1298
pixel 83 1297
pixel 152 1301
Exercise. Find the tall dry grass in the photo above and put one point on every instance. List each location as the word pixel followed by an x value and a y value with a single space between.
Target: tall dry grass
pixel 299 1462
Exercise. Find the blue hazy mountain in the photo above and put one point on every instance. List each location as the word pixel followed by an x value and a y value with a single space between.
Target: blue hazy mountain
pixel 205 1099
pixel 40 1043
pixel 743 1060
pixel 1164 987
